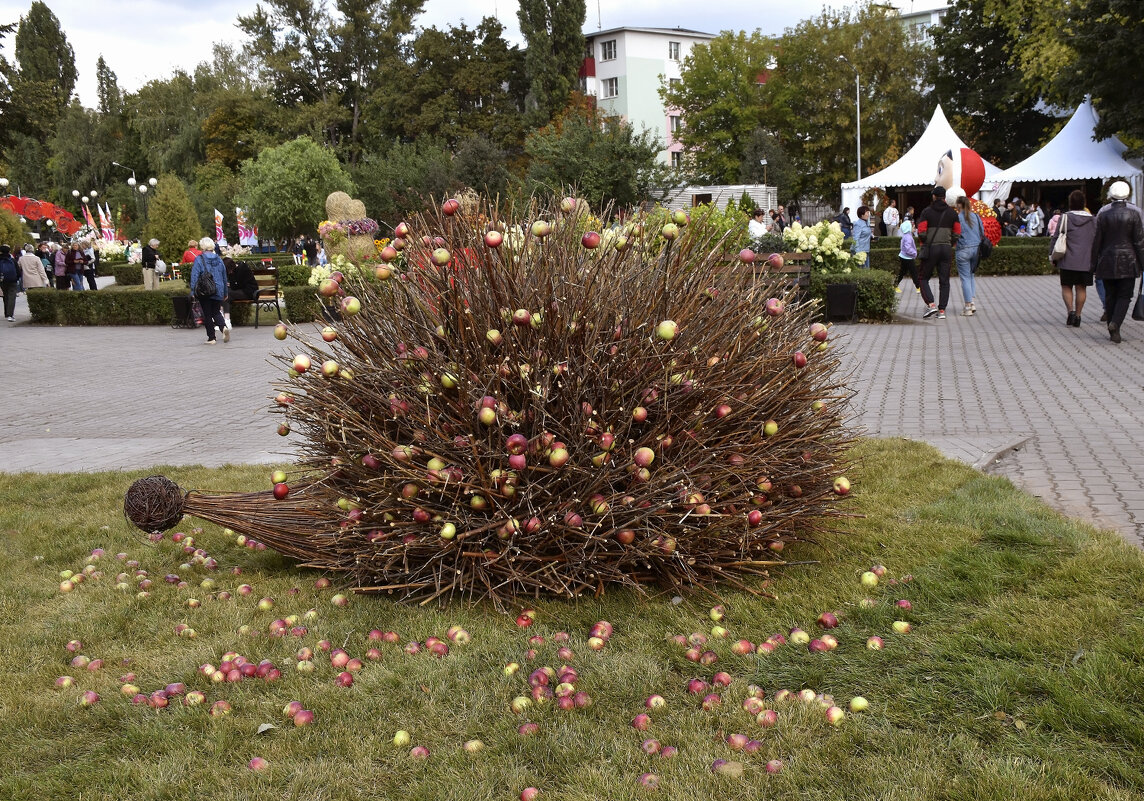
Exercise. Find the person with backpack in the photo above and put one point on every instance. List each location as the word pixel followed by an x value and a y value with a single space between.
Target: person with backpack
pixel 938 229
pixel 9 282
pixel 209 287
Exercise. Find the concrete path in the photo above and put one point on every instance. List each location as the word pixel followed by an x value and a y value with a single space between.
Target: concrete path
pixel 1011 390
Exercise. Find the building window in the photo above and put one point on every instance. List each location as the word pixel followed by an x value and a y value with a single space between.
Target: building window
pixel 673 51
pixel 608 50
pixel 674 83
pixel 673 125
pixel 677 159
pixel 611 87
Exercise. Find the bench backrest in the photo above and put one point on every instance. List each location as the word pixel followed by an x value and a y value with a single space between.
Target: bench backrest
pixel 267 278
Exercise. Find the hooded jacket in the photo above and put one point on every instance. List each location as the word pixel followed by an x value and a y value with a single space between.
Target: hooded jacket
pixel 1080 230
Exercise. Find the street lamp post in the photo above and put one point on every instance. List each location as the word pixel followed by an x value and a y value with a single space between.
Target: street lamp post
pixel 763 164
pixel 857 108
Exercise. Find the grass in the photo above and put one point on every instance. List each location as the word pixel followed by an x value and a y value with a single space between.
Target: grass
pixel 1023 677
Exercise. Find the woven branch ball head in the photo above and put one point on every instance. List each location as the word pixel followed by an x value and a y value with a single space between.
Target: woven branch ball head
pixel 154 503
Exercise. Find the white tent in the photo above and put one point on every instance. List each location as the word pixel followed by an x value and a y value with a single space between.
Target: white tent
pixel 1072 155
pixel 917 168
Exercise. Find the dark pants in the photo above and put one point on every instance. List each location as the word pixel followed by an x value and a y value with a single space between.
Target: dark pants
pixel 907 268
pixel 1118 297
pixel 212 316
pixel 940 257
pixel 11 289
pixel 63 282
pixel 90 276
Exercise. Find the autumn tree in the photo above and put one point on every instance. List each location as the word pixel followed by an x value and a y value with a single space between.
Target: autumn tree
pixel 720 95
pixel 809 98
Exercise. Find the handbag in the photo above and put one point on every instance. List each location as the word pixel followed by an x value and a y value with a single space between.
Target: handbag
pixel 1061 245
pixel 924 247
pixel 1138 309
pixel 985 249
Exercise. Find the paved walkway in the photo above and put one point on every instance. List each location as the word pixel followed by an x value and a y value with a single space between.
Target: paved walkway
pixel 1011 390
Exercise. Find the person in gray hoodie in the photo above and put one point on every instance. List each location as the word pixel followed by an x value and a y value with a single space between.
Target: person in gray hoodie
pixel 1076 263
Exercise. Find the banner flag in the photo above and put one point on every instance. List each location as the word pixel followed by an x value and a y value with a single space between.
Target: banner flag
pixel 87 216
pixel 246 235
pixel 219 236
pixel 105 224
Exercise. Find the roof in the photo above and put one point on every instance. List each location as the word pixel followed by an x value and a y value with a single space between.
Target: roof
pixel 918 167
pixel 661 31
pixel 1073 154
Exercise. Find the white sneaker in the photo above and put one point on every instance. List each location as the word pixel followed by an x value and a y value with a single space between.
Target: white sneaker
pixel 11 319
pixel 226 335
pixel 209 342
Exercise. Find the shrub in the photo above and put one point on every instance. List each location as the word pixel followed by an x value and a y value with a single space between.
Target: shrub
pixel 291 274
pixel 877 300
pixel 105 307
pixel 1007 259
pixel 407 461
pixel 302 304
pixel 126 274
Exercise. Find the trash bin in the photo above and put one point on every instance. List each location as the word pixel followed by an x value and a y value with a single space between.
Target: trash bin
pixel 842 303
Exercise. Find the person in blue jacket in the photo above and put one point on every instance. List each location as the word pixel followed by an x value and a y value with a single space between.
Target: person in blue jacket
pixel 863 235
pixel 210 263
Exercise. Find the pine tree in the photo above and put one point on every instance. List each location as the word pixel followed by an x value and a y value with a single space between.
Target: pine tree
pixel 171 218
pixel 553 32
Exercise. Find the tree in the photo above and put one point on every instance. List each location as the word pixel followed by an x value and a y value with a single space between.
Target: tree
pixel 285 187
pixel 167 116
pixel 778 171
pixel 1043 50
pixel 554 39
pixel 981 91
pixel 171 218
pixel 719 93
pixel 1109 41
pixel 809 99
pixel 482 165
pixel 13 233
pixel 404 178
pixel 602 158
pixel 107 84
pixel 216 186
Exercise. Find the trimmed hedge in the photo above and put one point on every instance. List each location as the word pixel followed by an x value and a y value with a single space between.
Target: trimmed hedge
pixel 1006 259
pixel 877 300
pixel 291 274
pixel 105 307
pixel 126 274
pixel 302 304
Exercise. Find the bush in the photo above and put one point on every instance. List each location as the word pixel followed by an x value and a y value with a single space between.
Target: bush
pixel 302 305
pixel 126 274
pixel 291 274
pixel 877 300
pixel 171 219
pixel 1007 259
pixel 105 307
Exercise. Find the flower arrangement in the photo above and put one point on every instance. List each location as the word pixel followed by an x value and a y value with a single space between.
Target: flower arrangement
pixel 367 227
pixel 824 241
pixel 235 251
pixel 989 221
pixel 109 250
pixel 341 264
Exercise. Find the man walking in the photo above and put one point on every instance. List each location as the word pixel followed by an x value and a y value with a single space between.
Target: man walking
pixel 938 227
pixel 1118 254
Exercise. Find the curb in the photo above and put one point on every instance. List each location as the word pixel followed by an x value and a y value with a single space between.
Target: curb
pixel 999 453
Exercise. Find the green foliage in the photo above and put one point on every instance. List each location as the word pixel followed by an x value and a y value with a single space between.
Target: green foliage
pixel 302 304
pixel 986 99
pixel 285 187
pixel 167 116
pixel 291 274
pixel 554 50
pixel 126 274
pixel 481 165
pixel 1006 259
pixel 778 171
pixel 1108 39
pixel 216 186
pixel 602 157
pixel 719 93
pixel 403 178
pixel 46 75
pixel 809 99
pixel 171 219
pixel 13 232
pixel 108 306
pixel 877 300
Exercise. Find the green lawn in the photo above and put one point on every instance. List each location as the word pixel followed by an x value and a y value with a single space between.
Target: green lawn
pixel 1023 676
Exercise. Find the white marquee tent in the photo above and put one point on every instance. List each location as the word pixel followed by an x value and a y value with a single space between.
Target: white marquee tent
pixel 1072 155
pixel 917 168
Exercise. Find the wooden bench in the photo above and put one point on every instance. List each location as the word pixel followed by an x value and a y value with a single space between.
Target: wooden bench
pixel 267 295
pixel 795 271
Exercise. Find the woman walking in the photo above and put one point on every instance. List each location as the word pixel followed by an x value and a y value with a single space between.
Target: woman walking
pixel 863 236
pixel 209 262
pixel 1079 228
pixel 1118 253
pixel 968 255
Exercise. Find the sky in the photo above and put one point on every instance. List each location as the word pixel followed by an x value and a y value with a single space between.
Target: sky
pixel 146 39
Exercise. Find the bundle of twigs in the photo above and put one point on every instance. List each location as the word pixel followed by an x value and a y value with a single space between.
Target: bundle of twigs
pixel 516 421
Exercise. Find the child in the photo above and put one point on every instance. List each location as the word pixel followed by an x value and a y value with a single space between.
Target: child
pixel 907 255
